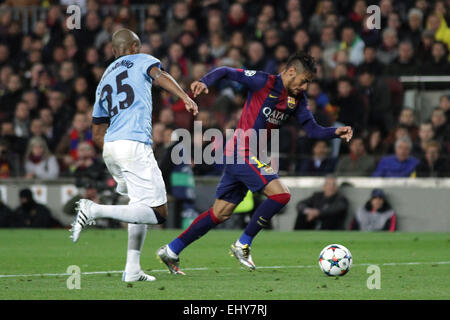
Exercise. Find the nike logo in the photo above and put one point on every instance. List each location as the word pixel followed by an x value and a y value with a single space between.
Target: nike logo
pixel 272 96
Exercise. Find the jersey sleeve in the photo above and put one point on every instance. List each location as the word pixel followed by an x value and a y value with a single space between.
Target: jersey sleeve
pixel 253 80
pixel 148 62
pixel 99 113
pixel 303 114
pixel 306 119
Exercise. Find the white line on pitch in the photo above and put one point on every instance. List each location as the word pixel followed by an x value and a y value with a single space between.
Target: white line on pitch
pixel 222 268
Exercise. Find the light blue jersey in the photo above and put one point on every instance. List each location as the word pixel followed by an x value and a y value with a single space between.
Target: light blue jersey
pixel 124 99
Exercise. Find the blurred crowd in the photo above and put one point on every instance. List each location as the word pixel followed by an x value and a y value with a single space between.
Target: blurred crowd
pixel 48 77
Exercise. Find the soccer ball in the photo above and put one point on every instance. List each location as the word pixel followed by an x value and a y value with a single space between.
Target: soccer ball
pixel 335 260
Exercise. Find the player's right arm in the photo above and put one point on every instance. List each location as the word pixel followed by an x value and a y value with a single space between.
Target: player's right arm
pixel 100 121
pixel 253 80
pixel 98 134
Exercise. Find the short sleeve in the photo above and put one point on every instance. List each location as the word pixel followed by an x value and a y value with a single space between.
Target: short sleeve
pixel 99 112
pixel 148 62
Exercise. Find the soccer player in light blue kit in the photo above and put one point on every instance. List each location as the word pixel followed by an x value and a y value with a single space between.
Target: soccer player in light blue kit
pixel 122 128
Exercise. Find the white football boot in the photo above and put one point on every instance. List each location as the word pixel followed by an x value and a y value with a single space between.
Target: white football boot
pixel 140 276
pixel 82 219
pixel 242 254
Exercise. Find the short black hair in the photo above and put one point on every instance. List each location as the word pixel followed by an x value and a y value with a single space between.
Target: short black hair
pixel 346 79
pixel 304 59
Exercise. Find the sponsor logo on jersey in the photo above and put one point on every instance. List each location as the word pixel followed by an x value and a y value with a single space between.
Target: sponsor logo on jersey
pixel 274 116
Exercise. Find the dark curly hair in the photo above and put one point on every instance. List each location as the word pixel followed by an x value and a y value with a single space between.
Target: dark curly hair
pixel 301 57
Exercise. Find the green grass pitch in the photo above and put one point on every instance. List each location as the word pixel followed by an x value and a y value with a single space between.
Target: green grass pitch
pixel 413 266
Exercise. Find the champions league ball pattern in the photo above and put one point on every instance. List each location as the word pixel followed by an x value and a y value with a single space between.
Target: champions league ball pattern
pixel 335 260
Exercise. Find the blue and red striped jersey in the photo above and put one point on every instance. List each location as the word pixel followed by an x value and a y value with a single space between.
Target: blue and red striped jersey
pixel 268 105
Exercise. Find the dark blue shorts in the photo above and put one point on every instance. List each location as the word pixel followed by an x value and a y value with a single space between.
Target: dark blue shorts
pixel 237 179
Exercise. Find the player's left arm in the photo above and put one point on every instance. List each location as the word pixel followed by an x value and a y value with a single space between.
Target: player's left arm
pixel 316 131
pixel 166 81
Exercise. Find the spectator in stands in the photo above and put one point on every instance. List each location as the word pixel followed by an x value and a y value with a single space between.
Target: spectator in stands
pixel 317 21
pixel 424 50
pixel 37 129
pixel 356 15
pixel 351 107
pixel 21 120
pixel 301 40
pixel 255 53
pixel 271 41
pixel 237 17
pixel 9 162
pixel 158 140
pixel 353 44
pixel 404 64
pixel 17 145
pixel 357 162
pixel 440 125
pixel 323 210
pixel 5 214
pixel 407 118
pixel 432 165
pixel 12 96
pixel 293 22
pixel 31 214
pixel 87 166
pixel 398 132
pixel 437 23
pixel 66 77
pixel 60 111
pixel 180 11
pixel 438 64
pixel 425 135
pixel 401 164
pixel 166 117
pixel 92 27
pixel 50 132
pixel 371 61
pixel 320 163
pixel 315 92
pixel 32 100
pixel 376 92
pixel 414 26
pixel 39 162
pixel 376 215
pixel 67 149
pixel 388 51
pixel 444 104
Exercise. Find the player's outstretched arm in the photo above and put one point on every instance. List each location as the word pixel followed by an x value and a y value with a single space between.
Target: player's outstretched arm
pixel 198 87
pixel 316 131
pixel 344 133
pixel 253 80
pixel 166 81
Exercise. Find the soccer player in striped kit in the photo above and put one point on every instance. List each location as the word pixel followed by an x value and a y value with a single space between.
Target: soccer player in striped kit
pixel 271 100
